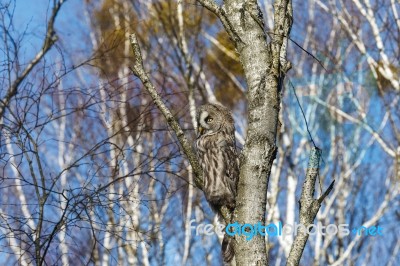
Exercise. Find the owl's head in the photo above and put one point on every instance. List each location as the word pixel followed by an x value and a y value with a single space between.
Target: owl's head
pixel 212 118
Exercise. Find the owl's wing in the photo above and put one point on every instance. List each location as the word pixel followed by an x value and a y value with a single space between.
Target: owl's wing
pixel 231 160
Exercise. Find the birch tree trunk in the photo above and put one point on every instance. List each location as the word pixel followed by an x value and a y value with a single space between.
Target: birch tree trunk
pixel 264 74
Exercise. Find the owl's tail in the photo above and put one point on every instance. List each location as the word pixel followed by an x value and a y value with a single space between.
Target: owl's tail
pixel 227 249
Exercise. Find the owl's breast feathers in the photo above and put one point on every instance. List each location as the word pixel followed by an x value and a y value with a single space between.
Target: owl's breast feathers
pixel 218 159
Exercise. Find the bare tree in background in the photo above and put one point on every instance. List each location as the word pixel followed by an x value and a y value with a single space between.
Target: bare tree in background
pixel 72 159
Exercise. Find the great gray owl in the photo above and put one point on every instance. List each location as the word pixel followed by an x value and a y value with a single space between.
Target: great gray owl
pixel 216 150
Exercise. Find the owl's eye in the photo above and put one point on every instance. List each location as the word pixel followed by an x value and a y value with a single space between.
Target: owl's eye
pixel 209 120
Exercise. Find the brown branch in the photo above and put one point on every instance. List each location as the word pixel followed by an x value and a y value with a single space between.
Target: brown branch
pixel 138 70
pixel 49 41
pixel 309 207
pixel 326 193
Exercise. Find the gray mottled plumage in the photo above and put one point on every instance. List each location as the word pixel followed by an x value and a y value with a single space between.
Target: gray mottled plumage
pixel 217 154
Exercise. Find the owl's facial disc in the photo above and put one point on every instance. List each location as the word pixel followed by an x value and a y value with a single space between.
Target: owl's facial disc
pixel 203 125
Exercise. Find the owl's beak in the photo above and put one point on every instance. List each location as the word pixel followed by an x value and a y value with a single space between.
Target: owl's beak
pixel 200 130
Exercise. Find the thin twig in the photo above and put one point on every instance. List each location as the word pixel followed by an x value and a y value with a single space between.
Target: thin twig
pixel 49 41
pixel 304 50
pixel 304 116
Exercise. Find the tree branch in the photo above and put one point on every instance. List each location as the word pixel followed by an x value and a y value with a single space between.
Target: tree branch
pixel 220 13
pixel 49 41
pixel 138 70
pixel 309 207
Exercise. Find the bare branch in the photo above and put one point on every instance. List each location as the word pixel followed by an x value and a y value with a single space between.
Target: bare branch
pixel 138 70
pixel 309 207
pixel 220 13
pixel 49 41
pixel 366 126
